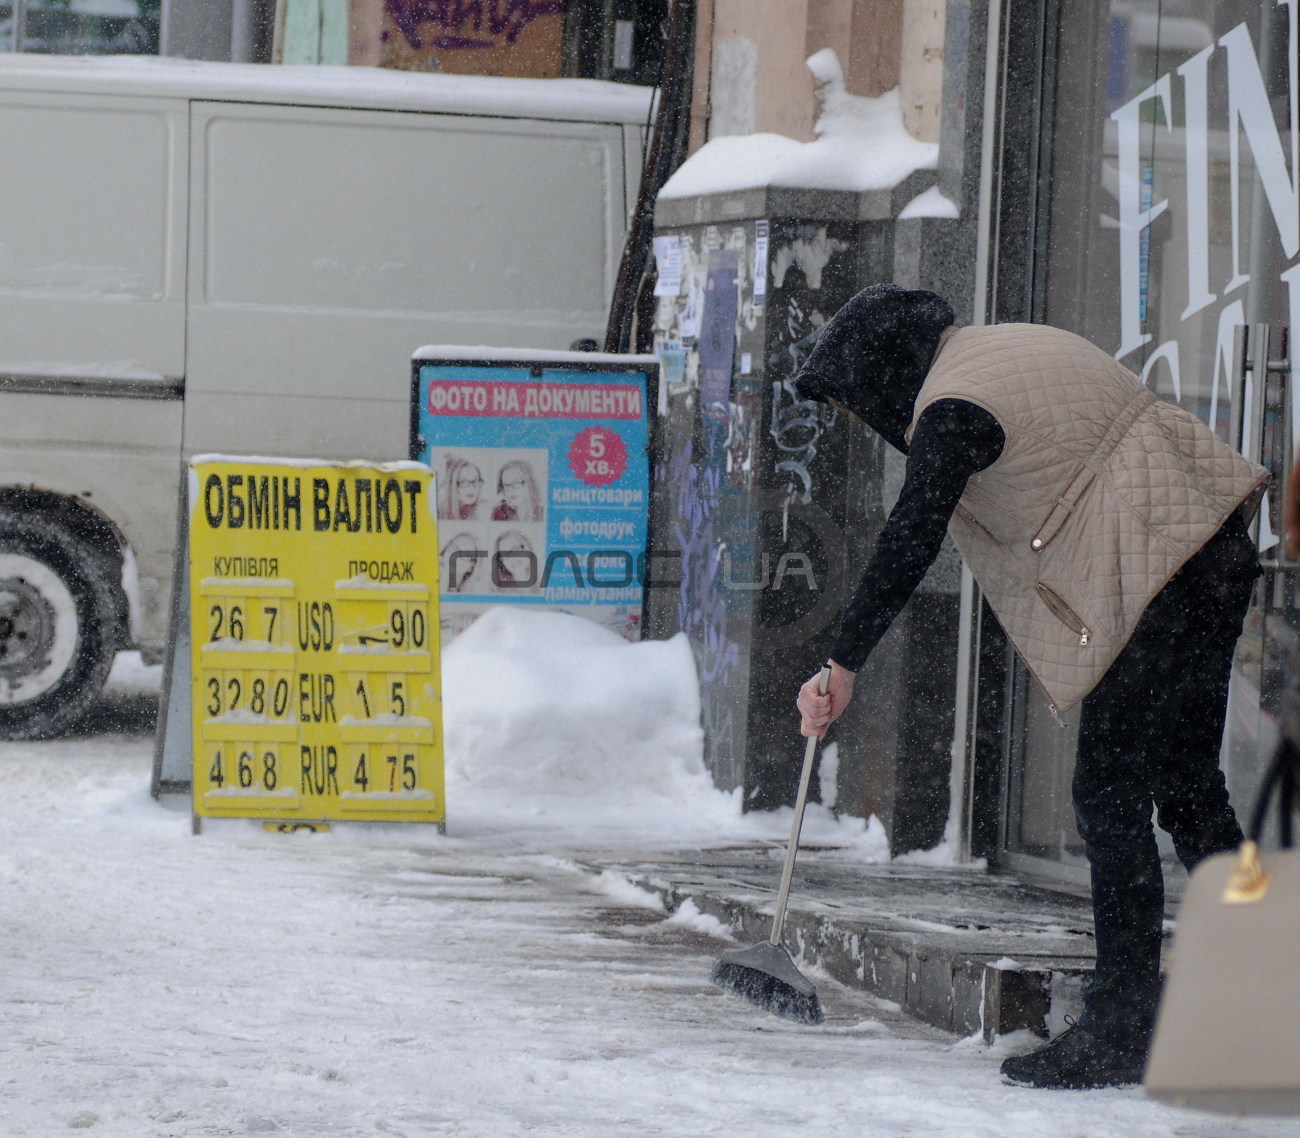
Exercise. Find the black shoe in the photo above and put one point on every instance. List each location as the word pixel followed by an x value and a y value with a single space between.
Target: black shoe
pixel 1078 1059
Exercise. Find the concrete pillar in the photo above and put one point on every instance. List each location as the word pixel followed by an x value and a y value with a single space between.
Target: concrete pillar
pixel 750 72
pixel 702 77
pixel 759 81
pixel 920 77
pixel 865 36
pixel 871 66
pixel 365 28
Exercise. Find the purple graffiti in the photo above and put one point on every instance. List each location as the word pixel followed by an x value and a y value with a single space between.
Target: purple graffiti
pixel 469 23
pixel 701 605
pixel 458 43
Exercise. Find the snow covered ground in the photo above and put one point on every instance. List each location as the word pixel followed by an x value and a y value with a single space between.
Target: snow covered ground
pixel 390 981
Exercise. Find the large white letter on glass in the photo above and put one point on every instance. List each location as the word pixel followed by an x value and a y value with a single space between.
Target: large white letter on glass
pixel 1133 218
pixel 1248 108
pixel 1196 135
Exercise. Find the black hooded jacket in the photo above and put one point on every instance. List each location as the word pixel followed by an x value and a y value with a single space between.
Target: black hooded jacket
pixel 871 359
pixel 873 356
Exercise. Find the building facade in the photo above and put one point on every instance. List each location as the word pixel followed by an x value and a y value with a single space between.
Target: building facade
pixel 1125 169
pixel 618 40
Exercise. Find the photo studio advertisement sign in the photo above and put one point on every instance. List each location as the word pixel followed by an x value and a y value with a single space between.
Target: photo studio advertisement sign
pixel 543 480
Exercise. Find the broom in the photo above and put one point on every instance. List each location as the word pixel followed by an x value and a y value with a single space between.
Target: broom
pixel 765 974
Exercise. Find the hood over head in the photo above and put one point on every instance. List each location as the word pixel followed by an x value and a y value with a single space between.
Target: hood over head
pixel 873 356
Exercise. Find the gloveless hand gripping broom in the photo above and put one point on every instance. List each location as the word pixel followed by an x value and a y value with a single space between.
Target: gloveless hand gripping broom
pixel 765 973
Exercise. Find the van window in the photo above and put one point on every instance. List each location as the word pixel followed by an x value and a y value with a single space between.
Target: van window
pixel 84 198
pixel 502 219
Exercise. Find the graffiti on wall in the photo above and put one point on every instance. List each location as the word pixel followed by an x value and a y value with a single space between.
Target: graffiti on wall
pixel 489 37
pixel 701 604
pixel 797 424
pixel 797 427
pixel 702 614
pixel 475 25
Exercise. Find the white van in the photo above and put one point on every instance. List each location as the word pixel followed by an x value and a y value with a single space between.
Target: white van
pixel 209 257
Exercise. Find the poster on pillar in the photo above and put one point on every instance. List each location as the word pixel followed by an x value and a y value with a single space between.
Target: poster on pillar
pixel 543 471
pixel 717 339
pixel 522 38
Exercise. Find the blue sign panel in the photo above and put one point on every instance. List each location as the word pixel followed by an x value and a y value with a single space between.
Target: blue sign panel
pixel 543 486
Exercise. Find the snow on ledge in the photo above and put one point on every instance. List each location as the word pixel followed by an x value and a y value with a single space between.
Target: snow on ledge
pixel 452 353
pixel 861 145
pixel 930 204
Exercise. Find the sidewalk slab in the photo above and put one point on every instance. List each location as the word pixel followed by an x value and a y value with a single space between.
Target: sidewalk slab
pixel 959 948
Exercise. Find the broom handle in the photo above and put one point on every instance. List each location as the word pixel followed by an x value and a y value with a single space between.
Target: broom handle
pixel 796 825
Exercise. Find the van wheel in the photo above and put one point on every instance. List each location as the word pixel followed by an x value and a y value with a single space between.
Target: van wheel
pixel 57 607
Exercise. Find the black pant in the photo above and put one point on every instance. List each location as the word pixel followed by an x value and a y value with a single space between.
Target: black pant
pixel 1149 737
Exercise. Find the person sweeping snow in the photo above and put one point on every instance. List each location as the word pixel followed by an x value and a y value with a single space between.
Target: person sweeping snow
pixel 1108 532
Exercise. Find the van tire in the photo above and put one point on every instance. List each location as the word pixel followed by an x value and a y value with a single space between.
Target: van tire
pixel 58 613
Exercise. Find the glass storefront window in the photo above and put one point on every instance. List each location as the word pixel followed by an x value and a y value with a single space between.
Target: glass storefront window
pixel 81 27
pixel 1173 222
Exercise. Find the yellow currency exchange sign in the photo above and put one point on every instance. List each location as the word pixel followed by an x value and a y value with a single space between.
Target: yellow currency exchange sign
pixel 314 632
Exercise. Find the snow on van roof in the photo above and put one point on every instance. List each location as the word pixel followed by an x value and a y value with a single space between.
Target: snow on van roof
pixel 581 100
pixel 454 352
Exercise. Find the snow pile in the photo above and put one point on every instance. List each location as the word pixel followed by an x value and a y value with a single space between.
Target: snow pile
pixel 861 144
pixel 547 713
pixel 932 203
pixel 557 728
pixel 689 916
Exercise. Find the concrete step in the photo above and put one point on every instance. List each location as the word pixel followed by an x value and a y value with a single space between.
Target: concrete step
pixel 956 947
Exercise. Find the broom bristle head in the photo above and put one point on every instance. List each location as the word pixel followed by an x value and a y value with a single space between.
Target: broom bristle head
pixel 767 992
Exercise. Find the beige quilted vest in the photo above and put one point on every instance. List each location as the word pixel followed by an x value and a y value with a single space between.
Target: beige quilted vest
pixel 1101 492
